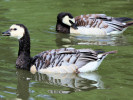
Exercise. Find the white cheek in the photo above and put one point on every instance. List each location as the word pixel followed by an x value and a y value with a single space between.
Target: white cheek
pixel 66 20
pixel 17 34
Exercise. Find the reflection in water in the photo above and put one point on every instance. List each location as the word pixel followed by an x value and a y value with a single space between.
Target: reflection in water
pixel 66 40
pixel 23 85
pixel 74 83
pixel 79 82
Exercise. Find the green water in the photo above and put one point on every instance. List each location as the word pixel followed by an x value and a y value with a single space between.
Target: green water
pixel 112 81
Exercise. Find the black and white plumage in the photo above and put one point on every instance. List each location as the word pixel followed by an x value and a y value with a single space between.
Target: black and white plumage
pixel 69 60
pixel 91 24
pixel 65 60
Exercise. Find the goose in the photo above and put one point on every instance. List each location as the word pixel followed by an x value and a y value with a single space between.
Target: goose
pixel 64 60
pixel 92 24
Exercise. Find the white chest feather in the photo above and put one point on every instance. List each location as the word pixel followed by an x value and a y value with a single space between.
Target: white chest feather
pixel 33 69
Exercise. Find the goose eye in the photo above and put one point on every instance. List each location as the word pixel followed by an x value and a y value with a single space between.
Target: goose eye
pixel 15 29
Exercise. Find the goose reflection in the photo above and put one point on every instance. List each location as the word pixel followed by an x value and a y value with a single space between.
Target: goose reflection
pixel 23 84
pixel 66 40
pixel 73 83
pixel 76 82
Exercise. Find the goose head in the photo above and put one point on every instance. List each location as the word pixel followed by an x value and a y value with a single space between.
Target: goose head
pixel 20 32
pixel 67 19
pixel 16 30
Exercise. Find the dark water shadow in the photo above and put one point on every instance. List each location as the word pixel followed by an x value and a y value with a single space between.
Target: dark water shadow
pixel 73 83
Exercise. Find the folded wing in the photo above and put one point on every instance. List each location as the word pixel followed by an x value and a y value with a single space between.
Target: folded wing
pixel 64 60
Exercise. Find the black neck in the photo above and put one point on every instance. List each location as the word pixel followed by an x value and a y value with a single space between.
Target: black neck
pixel 24 45
pixel 60 27
pixel 24 60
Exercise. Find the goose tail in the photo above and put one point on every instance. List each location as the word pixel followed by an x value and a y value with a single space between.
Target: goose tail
pixel 92 66
pixel 123 19
pixel 126 20
pixel 128 24
pixel 110 52
pixel 102 56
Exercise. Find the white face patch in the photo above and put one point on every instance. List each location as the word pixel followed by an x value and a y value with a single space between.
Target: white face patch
pixel 16 31
pixel 66 20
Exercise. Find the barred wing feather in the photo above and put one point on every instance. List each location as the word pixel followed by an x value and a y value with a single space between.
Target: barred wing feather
pixel 65 60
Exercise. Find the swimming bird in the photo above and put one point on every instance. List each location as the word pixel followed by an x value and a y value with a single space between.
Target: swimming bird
pixel 92 24
pixel 64 60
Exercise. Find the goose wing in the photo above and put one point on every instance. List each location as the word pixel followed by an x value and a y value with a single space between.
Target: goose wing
pixel 65 60
pixel 92 20
pixel 101 21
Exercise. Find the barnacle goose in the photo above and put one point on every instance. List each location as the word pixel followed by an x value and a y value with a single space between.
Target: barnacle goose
pixel 64 60
pixel 92 24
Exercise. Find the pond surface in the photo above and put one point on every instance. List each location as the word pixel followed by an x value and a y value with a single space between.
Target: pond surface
pixel 112 81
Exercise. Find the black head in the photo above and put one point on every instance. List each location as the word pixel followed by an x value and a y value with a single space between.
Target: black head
pixel 67 19
pixel 16 30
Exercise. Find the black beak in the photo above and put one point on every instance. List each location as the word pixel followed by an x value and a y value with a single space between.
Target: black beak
pixel 74 26
pixel 7 33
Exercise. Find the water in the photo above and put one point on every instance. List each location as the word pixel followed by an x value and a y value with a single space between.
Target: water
pixel 112 81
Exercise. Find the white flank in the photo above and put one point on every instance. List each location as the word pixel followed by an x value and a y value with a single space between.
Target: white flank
pixel 60 69
pixel 88 31
pixel 94 31
pixel 116 32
